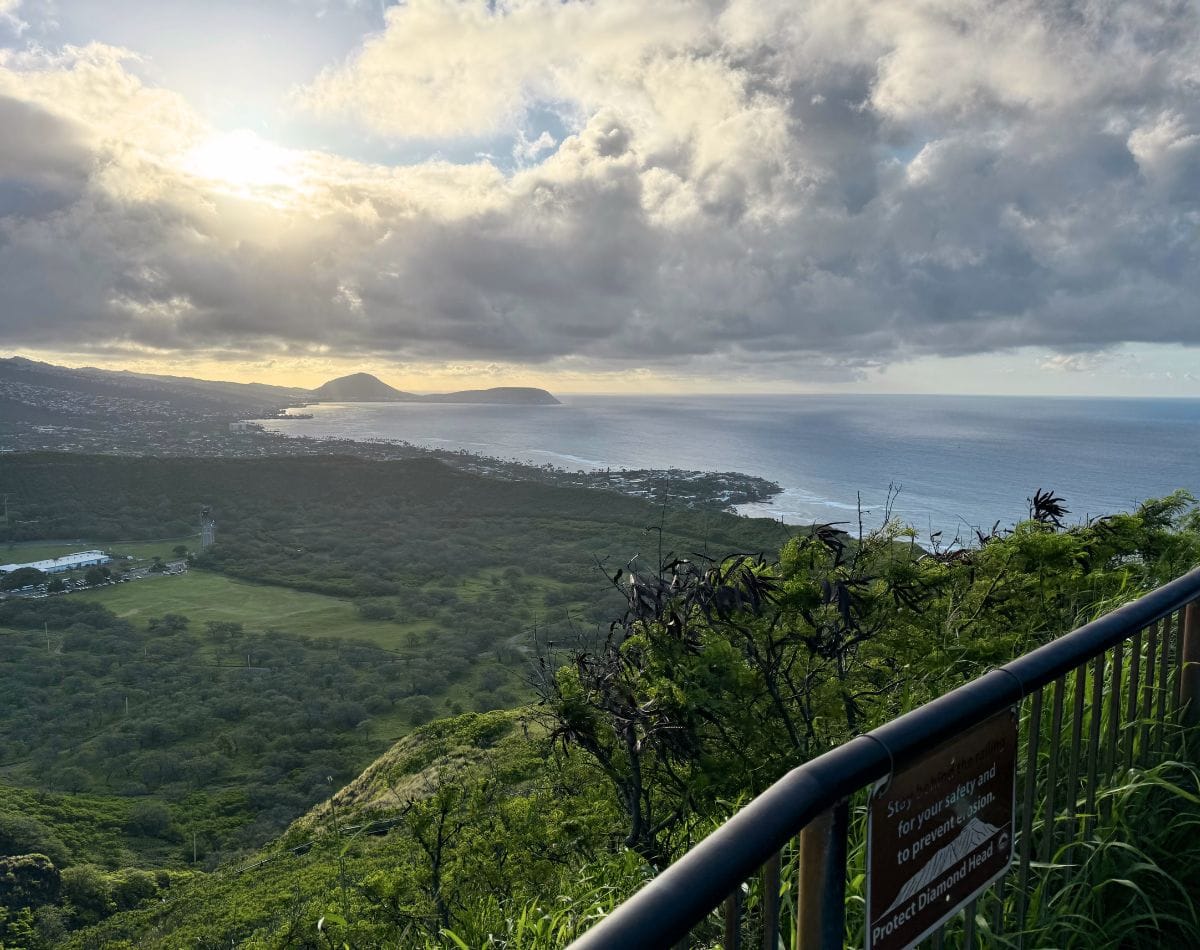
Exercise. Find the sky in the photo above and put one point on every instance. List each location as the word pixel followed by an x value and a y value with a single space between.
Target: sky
pixel 608 195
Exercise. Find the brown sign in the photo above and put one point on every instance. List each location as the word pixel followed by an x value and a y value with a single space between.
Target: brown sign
pixel 940 832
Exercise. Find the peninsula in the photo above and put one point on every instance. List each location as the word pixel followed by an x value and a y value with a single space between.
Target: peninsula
pixel 363 387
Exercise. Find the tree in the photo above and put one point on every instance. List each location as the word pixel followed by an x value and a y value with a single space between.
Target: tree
pixel 21 834
pixel 722 674
pixel 89 893
pixel 648 705
pixel 71 779
pixel 28 880
pixel 150 818
pixel 420 709
pixel 223 630
pixel 95 576
pixel 373 611
pixel 22 577
pixel 168 624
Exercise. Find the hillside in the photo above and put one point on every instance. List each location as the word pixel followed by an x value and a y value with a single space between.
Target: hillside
pixel 359 387
pixel 453 787
pixel 363 387
pixel 126 407
pixel 344 604
pixel 510 826
pixel 329 718
pixel 499 395
pixel 49 389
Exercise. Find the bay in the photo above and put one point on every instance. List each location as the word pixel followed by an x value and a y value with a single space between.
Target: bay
pixel 958 462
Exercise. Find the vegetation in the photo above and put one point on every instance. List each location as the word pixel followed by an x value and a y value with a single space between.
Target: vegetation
pixel 22 577
pixel 511 827
pixel 205 596
pixel 221 708
pixel 421 543
pixel 237 732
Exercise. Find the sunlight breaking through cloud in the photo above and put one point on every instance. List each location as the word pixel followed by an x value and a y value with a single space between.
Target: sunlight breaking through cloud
pixel 821 191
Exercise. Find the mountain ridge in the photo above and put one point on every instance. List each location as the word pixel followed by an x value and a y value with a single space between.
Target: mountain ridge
pixel 25 383
pixel 363 387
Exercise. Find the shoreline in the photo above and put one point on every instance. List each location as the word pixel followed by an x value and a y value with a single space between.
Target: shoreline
pixel 723 491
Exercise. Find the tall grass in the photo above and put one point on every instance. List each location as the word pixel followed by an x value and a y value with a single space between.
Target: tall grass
pixel 1122 874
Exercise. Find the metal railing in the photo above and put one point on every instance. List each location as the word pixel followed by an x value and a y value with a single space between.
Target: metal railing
pixel 1093 703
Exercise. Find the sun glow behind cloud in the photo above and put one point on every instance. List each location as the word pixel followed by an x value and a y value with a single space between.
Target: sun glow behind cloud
pixel 750 191
pixel 244 164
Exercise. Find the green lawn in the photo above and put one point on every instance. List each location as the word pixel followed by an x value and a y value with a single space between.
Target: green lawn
pixel 23 551
pixel 202 596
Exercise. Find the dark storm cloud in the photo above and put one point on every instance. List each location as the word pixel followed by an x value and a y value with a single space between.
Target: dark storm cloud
pixel 43 162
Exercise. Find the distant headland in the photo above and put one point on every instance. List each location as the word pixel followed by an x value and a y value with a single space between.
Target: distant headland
pixel 46 390
pixel 363 387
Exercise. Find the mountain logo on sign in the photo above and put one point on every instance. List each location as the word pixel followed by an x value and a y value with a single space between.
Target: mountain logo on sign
pixel 975 834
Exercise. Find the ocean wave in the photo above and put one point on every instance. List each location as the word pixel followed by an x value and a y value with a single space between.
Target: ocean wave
pixel 481 445
pixel 577 459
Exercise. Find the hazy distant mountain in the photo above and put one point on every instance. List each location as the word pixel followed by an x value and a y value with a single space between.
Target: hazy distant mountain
pixel 360 387
pixel 30 388
pixel 501 395
pixel 35 393
pixel 363 387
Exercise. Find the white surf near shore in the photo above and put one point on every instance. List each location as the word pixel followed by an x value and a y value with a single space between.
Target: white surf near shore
pixel 960 462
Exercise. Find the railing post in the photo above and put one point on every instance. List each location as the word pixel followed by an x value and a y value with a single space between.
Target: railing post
pixel 821 900
pixel 771 873
pixel 1189 670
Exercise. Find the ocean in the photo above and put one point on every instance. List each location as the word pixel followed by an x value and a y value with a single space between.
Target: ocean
pixel 958 462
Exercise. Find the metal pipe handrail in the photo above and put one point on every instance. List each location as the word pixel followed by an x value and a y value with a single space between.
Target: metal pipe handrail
pixel 665 909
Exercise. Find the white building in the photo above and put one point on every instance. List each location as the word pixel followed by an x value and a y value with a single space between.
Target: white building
pixel 56 565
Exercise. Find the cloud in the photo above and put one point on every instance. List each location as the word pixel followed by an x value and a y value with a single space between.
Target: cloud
pixel 744 186
pixel 1074 362
pixel 526 151
pixel 9 20
pixel 447 67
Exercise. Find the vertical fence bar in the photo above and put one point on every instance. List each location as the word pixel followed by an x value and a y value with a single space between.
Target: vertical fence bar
pixel 1025 845
pixel 732 939
pixel 1177 673
pixel 1093 748
pixel 1177 679
pixel 1189 665
pixel 1131 711
pixel 969 924
pixel 1049 814
pixel 821 895
pixel 1163 672
pixel 1072 801
pixel 771 874
pixel 1147 695
pixel 1114 721
pixel 998 905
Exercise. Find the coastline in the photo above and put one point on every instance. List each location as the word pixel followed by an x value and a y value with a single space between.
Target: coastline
pixel 723 491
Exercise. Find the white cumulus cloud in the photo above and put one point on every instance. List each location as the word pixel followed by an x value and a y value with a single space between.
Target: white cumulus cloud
pixel 811 189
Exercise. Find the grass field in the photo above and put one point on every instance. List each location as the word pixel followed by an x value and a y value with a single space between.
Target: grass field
pixel 22 551
pixel 202 596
